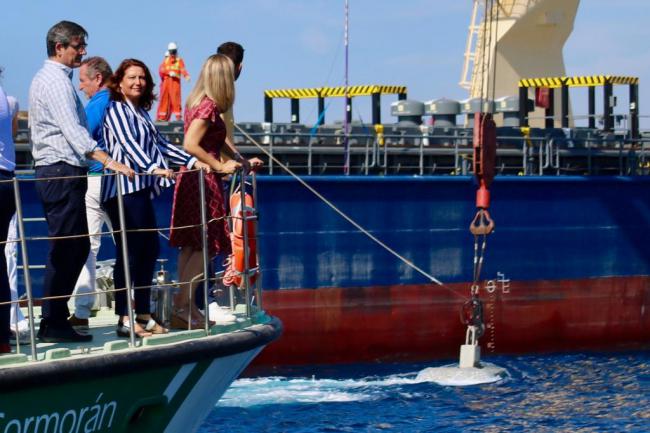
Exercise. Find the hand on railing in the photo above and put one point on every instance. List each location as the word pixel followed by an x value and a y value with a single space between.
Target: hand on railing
pixel 118 167
pixel 252 164
pixel 203 166
pixel 167 173
pixel 228 167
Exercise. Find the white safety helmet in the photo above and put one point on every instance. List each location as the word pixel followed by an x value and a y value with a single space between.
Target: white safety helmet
pixel 167 53
pixel 172 46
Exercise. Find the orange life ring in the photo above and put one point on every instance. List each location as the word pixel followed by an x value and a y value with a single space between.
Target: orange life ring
pixel 235 268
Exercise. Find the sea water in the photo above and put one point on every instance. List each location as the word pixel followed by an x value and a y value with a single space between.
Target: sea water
pixel 557 393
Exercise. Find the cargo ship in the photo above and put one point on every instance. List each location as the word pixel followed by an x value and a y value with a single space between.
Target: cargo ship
pixel 567 267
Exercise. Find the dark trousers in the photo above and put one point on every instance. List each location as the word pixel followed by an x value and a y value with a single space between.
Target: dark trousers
pixel 7 209
pixel 64 203
pixel 143 249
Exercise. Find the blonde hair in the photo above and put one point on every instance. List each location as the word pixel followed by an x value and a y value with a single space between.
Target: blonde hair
pixel 216 81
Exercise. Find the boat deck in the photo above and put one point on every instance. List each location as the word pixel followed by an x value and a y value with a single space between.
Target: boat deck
pixel 105 340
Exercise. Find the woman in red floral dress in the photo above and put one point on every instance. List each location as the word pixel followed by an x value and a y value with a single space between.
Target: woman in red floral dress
pixel 205 135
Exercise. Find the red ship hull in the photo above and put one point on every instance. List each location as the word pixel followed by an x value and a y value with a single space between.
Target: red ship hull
pixel 421 322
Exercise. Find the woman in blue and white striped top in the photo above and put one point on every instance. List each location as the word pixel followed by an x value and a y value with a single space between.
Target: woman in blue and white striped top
pixel 132 139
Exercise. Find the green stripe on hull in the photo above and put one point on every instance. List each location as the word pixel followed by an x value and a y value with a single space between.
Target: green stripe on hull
pixel 124 403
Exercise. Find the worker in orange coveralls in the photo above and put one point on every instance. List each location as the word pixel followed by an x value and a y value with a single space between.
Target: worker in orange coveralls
pixel 170 71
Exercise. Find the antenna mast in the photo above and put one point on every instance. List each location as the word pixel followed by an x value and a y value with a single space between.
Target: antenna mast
pixel 348 106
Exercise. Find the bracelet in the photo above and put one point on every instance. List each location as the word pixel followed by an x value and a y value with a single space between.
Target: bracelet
pixel 107 161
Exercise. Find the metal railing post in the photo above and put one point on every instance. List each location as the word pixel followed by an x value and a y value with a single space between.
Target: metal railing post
pixel 589 152
pixel 125 259
pixel 541 158
pixel 457 167
pixel 258 280
pixel 204 245
pixel 421 162
pixel 524 158
pixel 366 162
pixel 309 154
pixel 271 152
pixel 28 279
pixel 244 220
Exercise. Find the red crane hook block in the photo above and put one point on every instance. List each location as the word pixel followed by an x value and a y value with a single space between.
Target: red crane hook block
pixel 485 150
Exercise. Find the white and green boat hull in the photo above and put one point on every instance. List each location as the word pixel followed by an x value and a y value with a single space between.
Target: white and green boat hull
pixel 160 388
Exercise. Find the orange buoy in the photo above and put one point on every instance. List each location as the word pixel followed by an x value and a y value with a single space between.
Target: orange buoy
pixel 236 264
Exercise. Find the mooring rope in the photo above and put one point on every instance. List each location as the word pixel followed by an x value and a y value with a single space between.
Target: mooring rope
pixel 340 212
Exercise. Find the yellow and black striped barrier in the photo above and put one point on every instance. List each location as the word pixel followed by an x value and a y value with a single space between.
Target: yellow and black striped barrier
pixel 321 93
pixel 591 82
pixel 577 81
pixel 542 82
pixel 333 92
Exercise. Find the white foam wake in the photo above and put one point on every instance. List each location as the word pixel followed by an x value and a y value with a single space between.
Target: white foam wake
pixel 281 390
pixel 452 375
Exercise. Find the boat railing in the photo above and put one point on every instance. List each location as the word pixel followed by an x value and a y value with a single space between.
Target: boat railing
pixel 252 295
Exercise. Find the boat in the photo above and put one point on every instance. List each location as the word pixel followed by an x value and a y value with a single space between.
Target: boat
pixel 161 383
pixel 567 267
pixel 168 383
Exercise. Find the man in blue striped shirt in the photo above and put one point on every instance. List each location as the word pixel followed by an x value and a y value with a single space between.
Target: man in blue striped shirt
pixel 61 148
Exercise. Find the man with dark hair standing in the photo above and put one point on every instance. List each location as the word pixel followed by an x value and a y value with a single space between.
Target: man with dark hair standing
pixel 234 52
pixel 61 145
pixel 94 74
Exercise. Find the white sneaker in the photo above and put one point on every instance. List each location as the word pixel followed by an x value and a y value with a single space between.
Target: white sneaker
pixel 221 315
pixel 22 334
pixel 23 325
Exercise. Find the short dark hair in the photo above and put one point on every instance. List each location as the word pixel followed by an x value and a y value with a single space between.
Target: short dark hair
pixel 232 50
pixel 98 65
pixel 62 33
pixel 146 101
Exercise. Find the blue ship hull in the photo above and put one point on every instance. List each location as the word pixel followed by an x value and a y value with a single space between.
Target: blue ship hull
pixel 565 249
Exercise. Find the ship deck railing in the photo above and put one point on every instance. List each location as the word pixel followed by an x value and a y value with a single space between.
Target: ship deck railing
pixel 242 306
pixel 431 150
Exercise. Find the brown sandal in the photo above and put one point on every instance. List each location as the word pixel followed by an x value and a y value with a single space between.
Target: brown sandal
pixel 124 330
pixel 178 321
pixel 152 326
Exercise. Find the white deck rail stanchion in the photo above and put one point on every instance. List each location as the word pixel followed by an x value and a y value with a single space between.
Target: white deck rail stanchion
pixel 244 220
pixel 204 245
pixel 28 279
pixel 125 259
pixel 258 278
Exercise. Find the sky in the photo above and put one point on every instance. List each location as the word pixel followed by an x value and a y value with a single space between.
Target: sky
pixel 299 43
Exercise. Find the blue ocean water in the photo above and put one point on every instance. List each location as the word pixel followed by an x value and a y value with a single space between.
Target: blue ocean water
pixel 555 393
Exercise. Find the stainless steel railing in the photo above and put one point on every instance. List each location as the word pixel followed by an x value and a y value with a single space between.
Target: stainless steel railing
pixel 23 238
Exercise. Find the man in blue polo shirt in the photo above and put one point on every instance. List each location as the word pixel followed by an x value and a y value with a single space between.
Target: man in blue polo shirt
pixel 94 74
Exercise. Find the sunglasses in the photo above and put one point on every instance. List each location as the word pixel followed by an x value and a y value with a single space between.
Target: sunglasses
pixel 78 47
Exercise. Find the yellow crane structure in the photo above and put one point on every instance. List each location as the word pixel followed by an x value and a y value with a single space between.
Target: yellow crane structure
pixel 514 39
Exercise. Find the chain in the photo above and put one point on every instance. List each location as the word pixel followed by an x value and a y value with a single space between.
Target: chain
pixel 491 325
pixel 472 310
